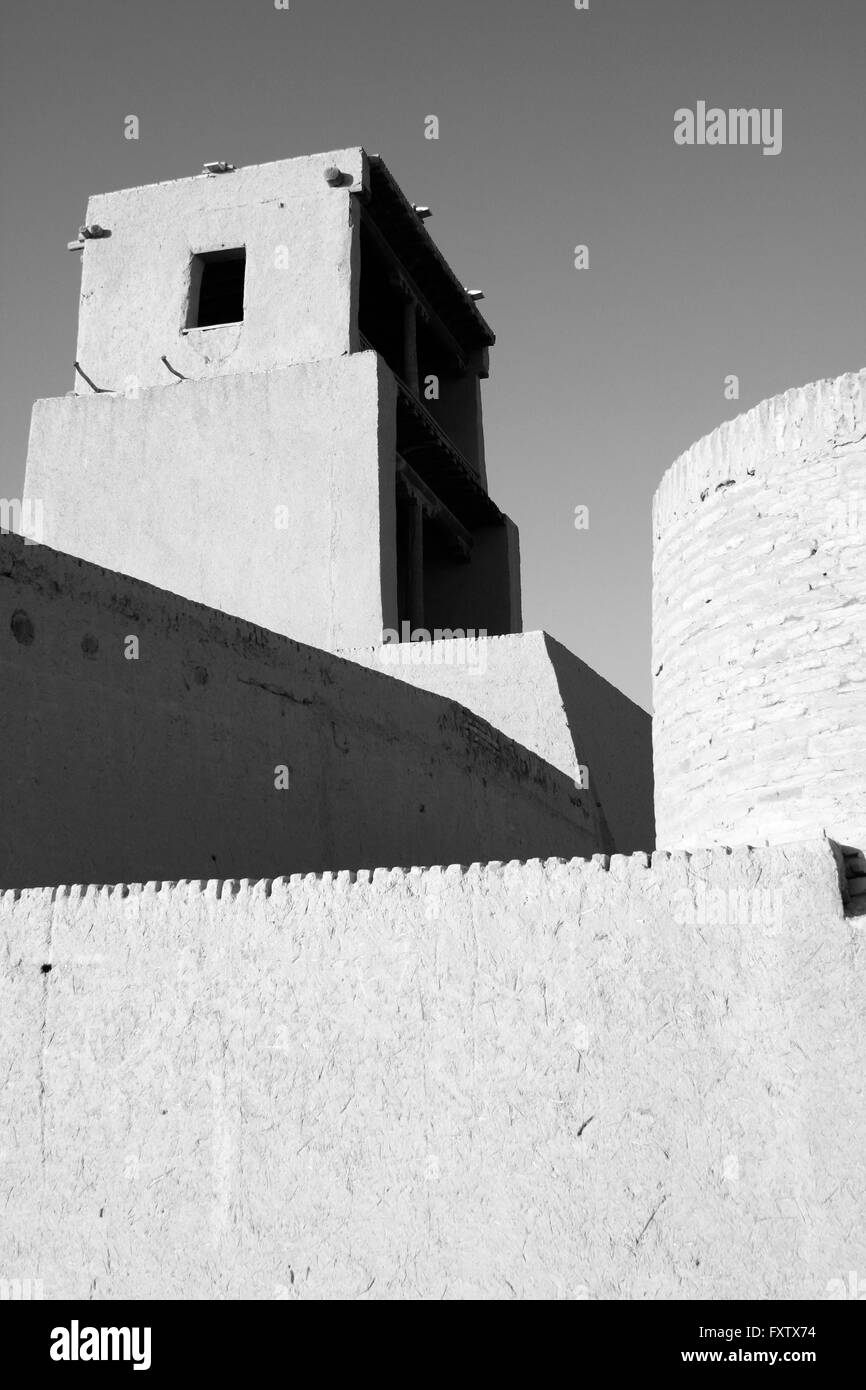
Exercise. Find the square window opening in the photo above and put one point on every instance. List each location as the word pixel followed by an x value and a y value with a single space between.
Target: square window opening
pixel 217 288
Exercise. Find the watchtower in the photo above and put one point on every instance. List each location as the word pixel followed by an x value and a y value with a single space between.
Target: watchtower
pixel 277 407
pixel 759 626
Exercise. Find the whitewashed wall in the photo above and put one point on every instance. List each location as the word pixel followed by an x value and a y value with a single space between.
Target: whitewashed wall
pixel 584 1079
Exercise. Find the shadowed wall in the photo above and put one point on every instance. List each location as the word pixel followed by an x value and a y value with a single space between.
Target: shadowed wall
pixel 164 766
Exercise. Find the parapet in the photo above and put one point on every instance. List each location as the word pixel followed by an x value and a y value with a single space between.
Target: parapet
pixel 804 877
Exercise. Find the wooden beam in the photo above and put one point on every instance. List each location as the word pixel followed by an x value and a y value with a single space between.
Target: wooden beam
pixel 435 508
pixel 416 564
pixel 426 308
pixel 410 346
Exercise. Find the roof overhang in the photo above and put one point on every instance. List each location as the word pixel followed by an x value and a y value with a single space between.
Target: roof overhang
pixel 406 233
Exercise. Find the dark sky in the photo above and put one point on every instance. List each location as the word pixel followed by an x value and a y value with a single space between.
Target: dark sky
pixel 556 129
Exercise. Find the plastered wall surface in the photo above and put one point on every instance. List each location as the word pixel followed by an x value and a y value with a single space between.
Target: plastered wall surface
pixel 586 1079
pixel 269 495
pixel 299 238
pixel 165 763
pixel 759 626
pixel 535 691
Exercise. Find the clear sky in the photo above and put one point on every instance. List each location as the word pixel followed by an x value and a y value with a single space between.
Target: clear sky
pixel 556 129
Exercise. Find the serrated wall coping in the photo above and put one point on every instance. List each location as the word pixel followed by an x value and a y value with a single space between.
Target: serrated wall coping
pixel 617 866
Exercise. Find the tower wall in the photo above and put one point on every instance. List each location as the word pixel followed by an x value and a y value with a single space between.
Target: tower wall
pixel 759 626
pixel 269 495
pixel 299 237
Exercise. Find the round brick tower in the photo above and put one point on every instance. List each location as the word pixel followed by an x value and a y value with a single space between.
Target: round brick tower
pixel 759 626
